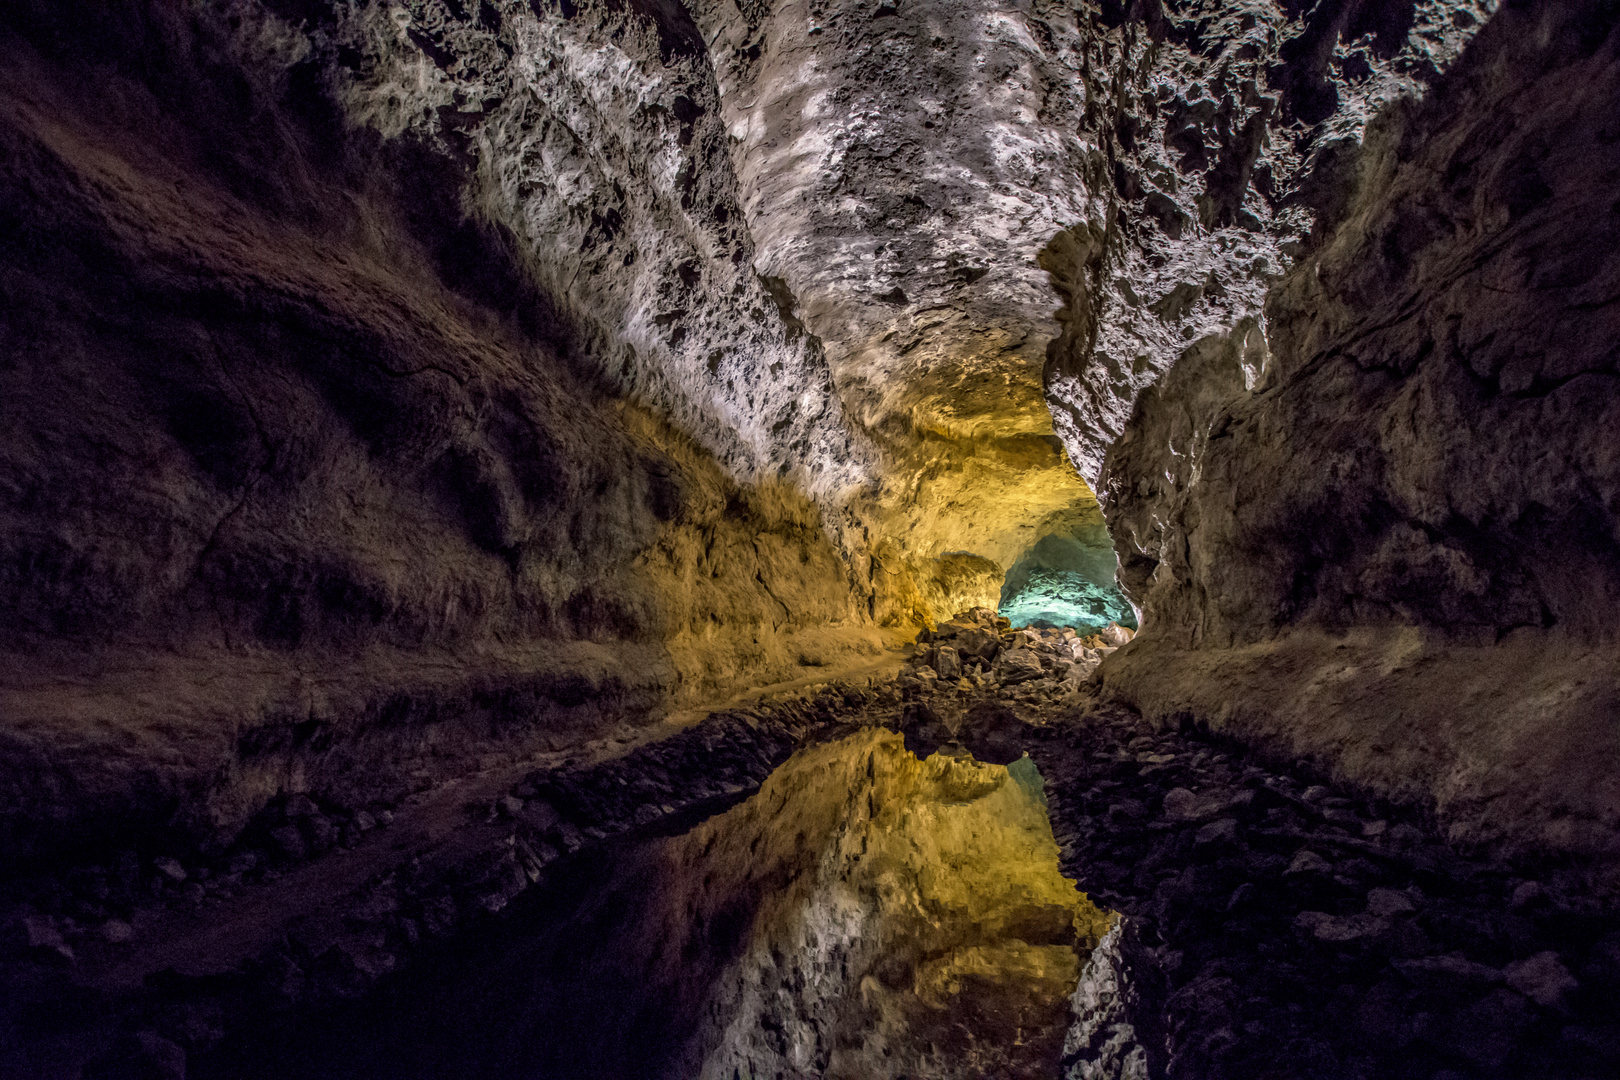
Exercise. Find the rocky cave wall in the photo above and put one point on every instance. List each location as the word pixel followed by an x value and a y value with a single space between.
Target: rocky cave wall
pixel 1377 524
pixel 381 377
pixel 384 375
pixel 310 481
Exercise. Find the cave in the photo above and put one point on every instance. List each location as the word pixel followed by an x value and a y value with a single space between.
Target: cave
pixel 753 538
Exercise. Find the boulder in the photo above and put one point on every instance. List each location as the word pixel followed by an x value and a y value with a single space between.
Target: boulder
pixel 977 642
pixel 1018 665
pixel 1117 635
pixel 1543 979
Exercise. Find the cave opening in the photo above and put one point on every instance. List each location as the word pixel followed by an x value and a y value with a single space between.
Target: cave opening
pixel 1066 581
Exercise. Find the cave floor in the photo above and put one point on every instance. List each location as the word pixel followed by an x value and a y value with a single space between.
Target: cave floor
pixel 1274 925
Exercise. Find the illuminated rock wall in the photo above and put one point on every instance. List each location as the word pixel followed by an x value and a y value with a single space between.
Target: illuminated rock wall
pixel 1388 537
pixel 308 483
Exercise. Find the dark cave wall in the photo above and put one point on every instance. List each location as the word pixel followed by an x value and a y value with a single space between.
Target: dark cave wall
pixel 1384 530
pixel 307 483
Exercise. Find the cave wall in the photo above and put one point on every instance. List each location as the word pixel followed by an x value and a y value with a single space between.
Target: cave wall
pixel 1216 133
pixel 391 386
pixel 311 481
pixel 1377 523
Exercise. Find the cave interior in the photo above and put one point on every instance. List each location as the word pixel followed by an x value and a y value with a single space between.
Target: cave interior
pixel 809 538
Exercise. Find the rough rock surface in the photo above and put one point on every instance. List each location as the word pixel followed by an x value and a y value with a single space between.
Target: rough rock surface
pixel 1387 534
pixel 310 485
pixel 1217 137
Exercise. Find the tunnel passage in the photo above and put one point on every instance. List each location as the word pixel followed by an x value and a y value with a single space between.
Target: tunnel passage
pixel 1066 581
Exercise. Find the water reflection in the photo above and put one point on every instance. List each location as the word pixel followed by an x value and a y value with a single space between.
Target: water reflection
pixel 865 914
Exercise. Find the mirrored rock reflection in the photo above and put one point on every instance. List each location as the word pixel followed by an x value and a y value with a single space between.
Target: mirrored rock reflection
pixel 867 913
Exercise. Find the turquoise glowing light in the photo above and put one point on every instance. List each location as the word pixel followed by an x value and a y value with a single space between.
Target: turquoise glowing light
pixel 1066 598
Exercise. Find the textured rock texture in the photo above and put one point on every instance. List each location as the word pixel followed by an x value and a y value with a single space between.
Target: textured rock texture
pixel 309 483
pixel 1217 133
pixel 390 389
pixel 1386 533
pixel 899 166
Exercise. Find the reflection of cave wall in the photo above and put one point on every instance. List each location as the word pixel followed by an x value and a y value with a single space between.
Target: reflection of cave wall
pixel 865 914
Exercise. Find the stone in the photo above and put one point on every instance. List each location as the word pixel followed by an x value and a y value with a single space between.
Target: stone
pixel 1223 833
pixel 116 931
pixel 1389 902
pixel 170 868
pixel 983 644
pixel 509 805
pixel 1015 666
pixel 1528 895
pixel 1181 805
pixel 35 936
pixel 1342 929
pixel 1543 979
pixel 1116 635
pixel 242 862
pixel 1306 861
pixel 948 663
pixel 364 821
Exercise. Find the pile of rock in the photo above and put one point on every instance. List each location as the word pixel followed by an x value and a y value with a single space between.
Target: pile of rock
pixel 978 649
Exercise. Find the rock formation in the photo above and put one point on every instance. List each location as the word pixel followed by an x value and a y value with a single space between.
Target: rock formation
pixel 415 405
pixel 1384 531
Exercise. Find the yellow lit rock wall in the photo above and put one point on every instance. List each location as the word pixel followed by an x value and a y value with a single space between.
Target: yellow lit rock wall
pixel 957 510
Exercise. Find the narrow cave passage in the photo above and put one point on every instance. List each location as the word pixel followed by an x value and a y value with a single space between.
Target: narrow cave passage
pixel 750 538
